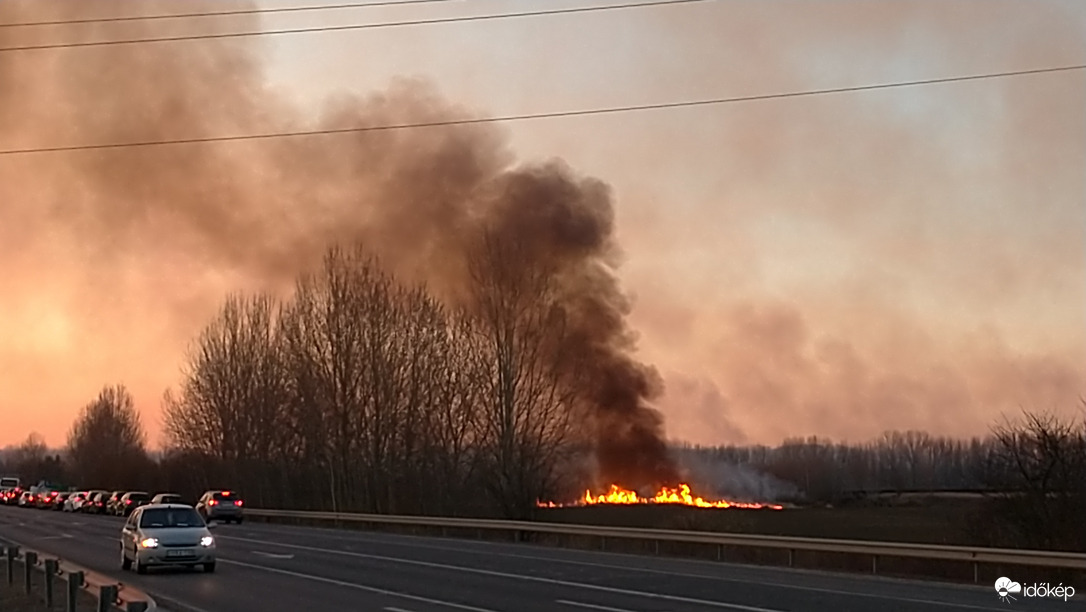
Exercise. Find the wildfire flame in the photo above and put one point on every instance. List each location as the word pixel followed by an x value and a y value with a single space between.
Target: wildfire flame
pixel 680 495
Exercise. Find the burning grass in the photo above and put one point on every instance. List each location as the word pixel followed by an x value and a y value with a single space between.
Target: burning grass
pixel 680 495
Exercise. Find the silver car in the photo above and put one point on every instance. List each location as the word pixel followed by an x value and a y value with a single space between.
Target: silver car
pixel 165 535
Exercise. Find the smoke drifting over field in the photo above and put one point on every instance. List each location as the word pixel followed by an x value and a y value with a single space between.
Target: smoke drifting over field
pixel 264 211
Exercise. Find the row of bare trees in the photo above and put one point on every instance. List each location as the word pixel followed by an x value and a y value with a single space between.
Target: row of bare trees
pixel 363 394
pixel 822 470
pixel 826 471
pixel 1030 472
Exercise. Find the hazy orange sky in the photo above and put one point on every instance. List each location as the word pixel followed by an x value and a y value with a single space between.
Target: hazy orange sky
pixel 836 265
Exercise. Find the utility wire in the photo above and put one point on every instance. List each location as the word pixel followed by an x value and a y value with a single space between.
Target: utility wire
pixel 362 26
pixel 544 115
pixel 258 11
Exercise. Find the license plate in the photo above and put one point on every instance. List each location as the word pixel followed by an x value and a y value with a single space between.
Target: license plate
pixel 183 552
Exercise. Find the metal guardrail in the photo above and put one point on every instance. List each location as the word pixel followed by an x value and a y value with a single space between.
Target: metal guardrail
pixel 71 580
pixel 874 549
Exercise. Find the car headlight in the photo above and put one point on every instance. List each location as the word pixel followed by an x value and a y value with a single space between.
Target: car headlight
pixel 207 541
pixel 149 543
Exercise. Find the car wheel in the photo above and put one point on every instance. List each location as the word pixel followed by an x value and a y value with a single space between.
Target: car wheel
pixel 209 568
pixel 238 520
pixel 126 563
pixel 140 568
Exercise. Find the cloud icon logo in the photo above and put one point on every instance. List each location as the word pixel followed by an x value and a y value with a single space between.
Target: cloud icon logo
pixel 1005 587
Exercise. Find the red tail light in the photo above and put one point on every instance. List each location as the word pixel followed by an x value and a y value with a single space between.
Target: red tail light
pixel 238 502
pixel 212 502
pixel 127 501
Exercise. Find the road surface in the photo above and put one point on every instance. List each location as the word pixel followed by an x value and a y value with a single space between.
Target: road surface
pixel 276 568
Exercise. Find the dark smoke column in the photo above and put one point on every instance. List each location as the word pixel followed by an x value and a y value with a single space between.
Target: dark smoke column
pixel 565 225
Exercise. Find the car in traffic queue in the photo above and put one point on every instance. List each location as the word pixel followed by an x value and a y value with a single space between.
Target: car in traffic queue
pixel 57 501
pixel 95 503
pixel 130 501
pixel 158 535
pixel 112 501
pixel 10 497
pixel 167 498
pixel 26 499
pixel 11 487
pixel 220 505
pixel 74 501
pixel 45 499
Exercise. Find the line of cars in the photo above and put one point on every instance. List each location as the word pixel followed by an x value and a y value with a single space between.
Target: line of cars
pixel 160 530
pixel 214 505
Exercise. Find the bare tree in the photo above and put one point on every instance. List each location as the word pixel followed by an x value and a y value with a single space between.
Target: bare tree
pixel 532 384
pixel 106 443
pixel 1042 460
pixel 33 461
pixel 232 393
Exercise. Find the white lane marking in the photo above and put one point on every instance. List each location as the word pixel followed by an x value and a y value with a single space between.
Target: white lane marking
pixel 63 536
pixel 391 609
pixel 647 570
pixel 473 570
pixel 590 606
pixel 355 585
pixel 683 574
pixel 272 555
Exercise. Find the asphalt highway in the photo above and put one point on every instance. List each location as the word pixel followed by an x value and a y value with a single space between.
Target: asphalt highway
pixel 276 568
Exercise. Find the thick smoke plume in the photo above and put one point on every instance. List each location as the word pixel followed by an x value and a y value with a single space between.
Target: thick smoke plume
pixel 145 223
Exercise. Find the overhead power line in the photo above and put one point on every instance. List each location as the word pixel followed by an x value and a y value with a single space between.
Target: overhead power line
pixel 544 115
pixel 231 13
pixel 360 26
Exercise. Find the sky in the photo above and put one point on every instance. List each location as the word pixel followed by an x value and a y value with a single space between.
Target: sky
pixel 838 265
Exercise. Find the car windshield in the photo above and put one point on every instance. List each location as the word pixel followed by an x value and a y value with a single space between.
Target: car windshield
pixel 138 496
pixel 170 517
pixel 224 496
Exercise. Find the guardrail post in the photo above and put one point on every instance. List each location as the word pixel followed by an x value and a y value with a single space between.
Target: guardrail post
pixel 75 581
pixel 50 574
pixel 11 553
pixel 976 573
pixel 791 557
pixel 31 559
pixel 656 547
pixel 874 564
pixel 107 594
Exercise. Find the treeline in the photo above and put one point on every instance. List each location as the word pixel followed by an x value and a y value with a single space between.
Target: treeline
pixel 360 393
pixel 1030 474
pixel 819 470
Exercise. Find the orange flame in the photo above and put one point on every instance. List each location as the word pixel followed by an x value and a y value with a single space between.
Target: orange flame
pixel 666 495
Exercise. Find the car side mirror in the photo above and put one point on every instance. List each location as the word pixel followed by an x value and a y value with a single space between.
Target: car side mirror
pixel 211 524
